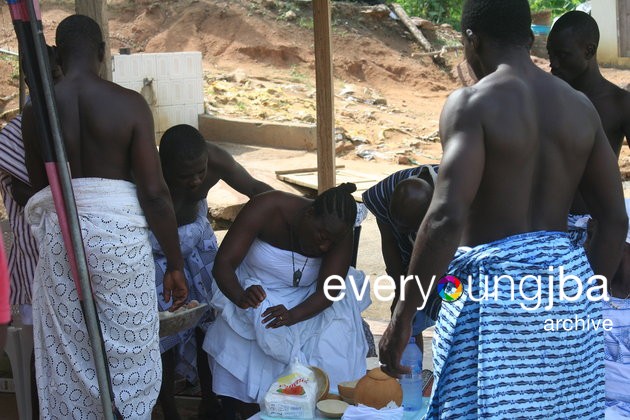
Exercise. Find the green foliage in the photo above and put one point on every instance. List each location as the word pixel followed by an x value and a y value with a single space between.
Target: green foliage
pixel 450 11
pixel 557 7
pixel 437 11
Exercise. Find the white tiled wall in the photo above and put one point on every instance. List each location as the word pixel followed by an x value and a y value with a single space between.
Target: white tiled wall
pixel 177 85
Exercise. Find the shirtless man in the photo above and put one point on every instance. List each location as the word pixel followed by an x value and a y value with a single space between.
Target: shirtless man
pixel 572 46
pixel 516 147
pixel 191 167
pixel 120 192
pixel 190 177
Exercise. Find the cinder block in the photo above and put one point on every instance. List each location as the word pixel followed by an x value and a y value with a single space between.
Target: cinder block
pixel 177 114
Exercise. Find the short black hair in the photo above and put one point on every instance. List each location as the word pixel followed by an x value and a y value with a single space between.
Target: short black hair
pixel 582 24
pixel 78 32
pixel 181 143
pixel 505 21
pixel 338 202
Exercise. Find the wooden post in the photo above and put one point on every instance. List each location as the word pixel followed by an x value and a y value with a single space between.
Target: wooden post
pixel 97 10
pixel 325 97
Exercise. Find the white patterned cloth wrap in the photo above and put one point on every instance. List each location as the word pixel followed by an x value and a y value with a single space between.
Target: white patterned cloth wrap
pixel 116 240
pixel 495 360
pixel 199 247
pixel 246 357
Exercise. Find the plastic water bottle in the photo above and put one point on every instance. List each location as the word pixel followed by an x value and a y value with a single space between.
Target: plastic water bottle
pixel 411 383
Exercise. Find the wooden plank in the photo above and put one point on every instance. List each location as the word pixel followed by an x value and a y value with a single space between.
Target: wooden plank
pixel 623 16
pixel 300 170
pixel 97 10
pixel 308 178
pixel 324 95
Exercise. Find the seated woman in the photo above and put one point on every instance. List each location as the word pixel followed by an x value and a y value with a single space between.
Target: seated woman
pixel 269 294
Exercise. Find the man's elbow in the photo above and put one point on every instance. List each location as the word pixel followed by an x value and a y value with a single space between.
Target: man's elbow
pixel 445 219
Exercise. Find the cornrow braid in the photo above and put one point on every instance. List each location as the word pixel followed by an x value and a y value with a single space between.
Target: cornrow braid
pixel 338 202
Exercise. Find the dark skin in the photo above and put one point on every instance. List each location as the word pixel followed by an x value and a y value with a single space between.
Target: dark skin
pixel 409 204
pixel 511 164
pixel 288 222
pixel 574 60
pixel 190 181
pixel 282 220
pixel 108 133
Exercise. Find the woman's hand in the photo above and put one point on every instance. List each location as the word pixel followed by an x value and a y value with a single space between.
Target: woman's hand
pixel 277 316
pixel 252 297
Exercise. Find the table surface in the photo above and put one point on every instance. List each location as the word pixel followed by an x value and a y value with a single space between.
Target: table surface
pixel 416 415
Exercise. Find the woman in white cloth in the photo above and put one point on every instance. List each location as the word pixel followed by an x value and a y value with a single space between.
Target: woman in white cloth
pixel 270 273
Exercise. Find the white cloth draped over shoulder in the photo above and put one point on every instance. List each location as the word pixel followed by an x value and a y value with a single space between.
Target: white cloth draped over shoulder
pixel 247 357
pixel 116 240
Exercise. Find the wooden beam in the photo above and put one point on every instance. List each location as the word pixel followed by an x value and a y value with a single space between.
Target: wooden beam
pixel 97 10
pixel 325 97
pixel 417 34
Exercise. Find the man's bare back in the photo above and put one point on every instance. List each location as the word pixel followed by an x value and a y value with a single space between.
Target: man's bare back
pixel 528 176
pixel 516 148
pixel 108 133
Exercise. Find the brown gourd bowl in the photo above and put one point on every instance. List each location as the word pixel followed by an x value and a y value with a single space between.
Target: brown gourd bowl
pixel 377 389
pixel 346 391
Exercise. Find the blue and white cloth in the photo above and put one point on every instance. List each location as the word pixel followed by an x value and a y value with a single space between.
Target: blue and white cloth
pixel 617 356
pixel 199 247
pixel 496 360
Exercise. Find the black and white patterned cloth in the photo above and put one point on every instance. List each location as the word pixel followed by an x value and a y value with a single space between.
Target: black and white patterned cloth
pixel 116 240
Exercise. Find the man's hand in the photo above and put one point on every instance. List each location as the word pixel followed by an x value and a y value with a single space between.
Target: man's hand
pixel 391 348
pixel 277 316
pixel 252 297
pixel 175 285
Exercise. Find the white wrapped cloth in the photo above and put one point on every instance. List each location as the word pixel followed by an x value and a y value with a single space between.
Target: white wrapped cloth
pixel 247 357
pixel 120 262
pixel 362 412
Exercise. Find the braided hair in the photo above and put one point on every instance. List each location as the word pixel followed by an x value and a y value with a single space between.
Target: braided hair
pixel 338 202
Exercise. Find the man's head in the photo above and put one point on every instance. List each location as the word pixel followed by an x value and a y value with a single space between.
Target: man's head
pixel 409 204
pixel 328 220
pixel 490 24
pixel 572 45
pixel 184 159
pixel 79 35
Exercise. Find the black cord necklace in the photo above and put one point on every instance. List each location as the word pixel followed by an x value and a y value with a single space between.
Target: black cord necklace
pixel 297 274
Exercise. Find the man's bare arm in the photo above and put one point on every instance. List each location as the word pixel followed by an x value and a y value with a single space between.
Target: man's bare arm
pixel 155 200
pixel 391 256
pixel 233 173
pixel 601 189
pixel 461 171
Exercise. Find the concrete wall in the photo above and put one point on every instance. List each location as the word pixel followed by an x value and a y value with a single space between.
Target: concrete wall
pixel 605 13
pixel 258 133
pixel 172 84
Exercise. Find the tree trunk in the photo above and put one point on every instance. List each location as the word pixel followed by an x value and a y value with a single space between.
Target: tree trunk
pixel 97 10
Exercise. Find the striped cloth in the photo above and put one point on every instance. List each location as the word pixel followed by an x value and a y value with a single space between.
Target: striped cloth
pixel 23 254
pixel 378 197
pixel 495 360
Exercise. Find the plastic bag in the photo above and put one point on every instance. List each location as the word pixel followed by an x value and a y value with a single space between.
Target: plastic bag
pixel 293 395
